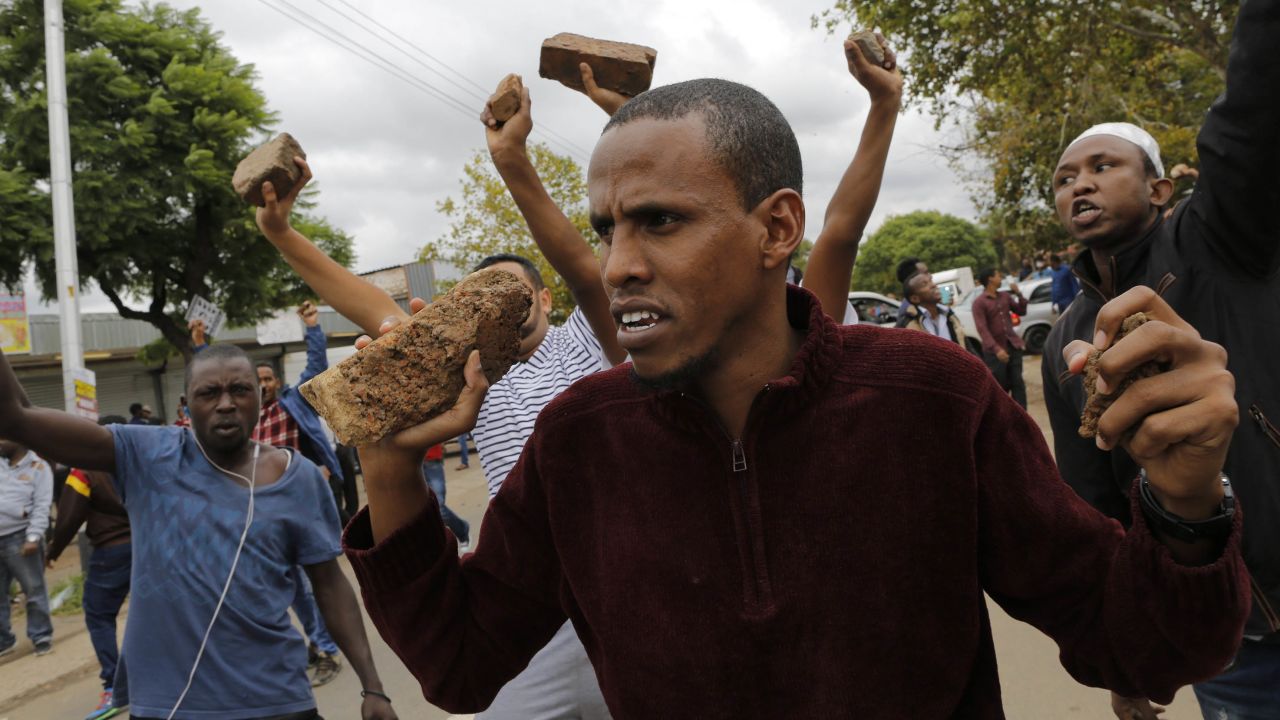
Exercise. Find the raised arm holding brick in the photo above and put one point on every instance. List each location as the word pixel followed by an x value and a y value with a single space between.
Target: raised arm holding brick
pixel 557 238
pixel 353 298
pixel 836 249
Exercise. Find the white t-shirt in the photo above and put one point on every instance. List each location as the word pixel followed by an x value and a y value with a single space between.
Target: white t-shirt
pixel 567 354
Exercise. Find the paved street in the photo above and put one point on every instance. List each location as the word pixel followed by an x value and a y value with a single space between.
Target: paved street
pixel 1034 684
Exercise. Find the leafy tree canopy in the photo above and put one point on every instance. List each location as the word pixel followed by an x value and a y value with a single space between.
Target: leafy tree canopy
pixel 1023 78
pixel 485 220
pixel 160 114
pixel 941 241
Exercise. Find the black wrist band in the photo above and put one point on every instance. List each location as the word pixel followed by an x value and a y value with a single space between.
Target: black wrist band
pixel 375 693
pixel 1217 527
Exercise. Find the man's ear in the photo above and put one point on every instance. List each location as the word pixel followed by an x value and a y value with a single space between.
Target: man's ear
pixel 1161 192
pixel 782 214
pixel 545 296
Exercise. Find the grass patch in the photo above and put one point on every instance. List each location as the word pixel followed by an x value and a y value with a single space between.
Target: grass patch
pixel 73 603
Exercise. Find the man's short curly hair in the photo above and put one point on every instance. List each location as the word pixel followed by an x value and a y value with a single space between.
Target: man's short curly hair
pixel 746 132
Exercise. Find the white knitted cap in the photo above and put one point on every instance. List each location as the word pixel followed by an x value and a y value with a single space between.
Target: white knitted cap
pixel 1132 133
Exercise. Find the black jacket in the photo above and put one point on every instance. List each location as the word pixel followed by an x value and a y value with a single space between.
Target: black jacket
pixel 1222 247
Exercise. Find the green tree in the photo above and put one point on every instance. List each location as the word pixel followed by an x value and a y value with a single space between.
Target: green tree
pixel 485 220
pixel 160 113
pixel 1023 78
pixel 941 241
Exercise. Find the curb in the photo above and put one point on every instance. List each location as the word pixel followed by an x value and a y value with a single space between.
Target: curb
pixel 68 668
pixel 74 672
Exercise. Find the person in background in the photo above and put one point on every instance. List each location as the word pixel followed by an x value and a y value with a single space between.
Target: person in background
pixel 211 635
pixel 1065 285
pixel 183 418
pixel 1215 259
pixel 926 312
pixel 1025 270
pixel 139 414
pixel 433 471
pixel 287 420
pixel 1001 347
pixel 26 496
pixel 463 462
pixel 907 269
pixel 91 497
pixel 350 493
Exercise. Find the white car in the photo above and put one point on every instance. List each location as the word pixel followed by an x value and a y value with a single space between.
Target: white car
pixel 1033 327
pixel 874 308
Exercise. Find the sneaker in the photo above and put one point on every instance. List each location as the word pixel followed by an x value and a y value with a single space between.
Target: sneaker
pixel 106 707
pixel 9 649
pixel 44 647
pixel 327 668
pixel 462 467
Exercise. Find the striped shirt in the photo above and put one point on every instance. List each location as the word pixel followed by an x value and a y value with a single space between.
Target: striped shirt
pixel 567 354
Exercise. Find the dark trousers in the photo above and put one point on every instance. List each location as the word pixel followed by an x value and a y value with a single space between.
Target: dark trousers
pixel 350 497
pixel 1009 374
pixel 433 470
pixel 1248 690
pixel 105 588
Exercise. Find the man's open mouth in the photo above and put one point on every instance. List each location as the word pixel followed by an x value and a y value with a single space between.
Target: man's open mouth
pixel 1084 212
pixel 639 321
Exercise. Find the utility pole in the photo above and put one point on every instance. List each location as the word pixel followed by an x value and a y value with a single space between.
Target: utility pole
pixel 64 220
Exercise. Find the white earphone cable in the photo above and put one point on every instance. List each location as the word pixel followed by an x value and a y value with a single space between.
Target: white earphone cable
pixel 248 521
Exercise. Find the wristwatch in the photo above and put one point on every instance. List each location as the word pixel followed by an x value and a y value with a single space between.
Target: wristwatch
pixel 1213 528
pixel 33 537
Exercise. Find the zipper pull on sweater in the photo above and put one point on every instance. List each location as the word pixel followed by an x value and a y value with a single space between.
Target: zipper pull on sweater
pixel 739 457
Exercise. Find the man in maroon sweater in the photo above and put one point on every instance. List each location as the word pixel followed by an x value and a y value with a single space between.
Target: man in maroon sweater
pixel 712 571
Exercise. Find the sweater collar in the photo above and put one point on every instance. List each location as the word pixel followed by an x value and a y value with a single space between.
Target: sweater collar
pixel 811 368
pixel 1126 267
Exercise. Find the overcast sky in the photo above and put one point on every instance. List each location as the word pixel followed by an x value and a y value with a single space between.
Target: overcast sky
pixel 384 152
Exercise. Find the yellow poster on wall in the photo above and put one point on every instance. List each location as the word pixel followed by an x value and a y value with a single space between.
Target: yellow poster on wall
pixel 15 331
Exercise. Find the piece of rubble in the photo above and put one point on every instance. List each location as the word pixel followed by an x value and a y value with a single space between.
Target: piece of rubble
pixel 415 372
pixel 505 101
pixel 870 46
pixel 272 161
pixel 622 67
pixel 1096 404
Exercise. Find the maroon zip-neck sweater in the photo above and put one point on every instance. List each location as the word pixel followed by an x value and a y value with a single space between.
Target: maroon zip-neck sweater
pixel 830 563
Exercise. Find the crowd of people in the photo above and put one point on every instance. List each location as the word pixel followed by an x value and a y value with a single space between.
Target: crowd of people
pixel 684 516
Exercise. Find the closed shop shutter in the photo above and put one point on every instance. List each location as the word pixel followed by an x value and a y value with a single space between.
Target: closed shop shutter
pixel 44 391
pixel 118 390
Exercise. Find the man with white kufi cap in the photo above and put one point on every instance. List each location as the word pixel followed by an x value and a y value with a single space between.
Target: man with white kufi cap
pixel 1216 261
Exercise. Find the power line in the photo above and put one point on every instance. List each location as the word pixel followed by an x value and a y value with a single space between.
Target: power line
pixel 483 95
pixel 380 65
pixel 358 49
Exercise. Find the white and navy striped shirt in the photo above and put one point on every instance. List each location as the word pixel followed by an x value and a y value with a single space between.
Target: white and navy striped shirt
pixel 567 354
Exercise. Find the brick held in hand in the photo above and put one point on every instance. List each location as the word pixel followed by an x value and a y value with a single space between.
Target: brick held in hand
pixel 618 66
pixel 272 161
pixel 1096 404
pixel 869 44
pixel 415 372
pixel 505 102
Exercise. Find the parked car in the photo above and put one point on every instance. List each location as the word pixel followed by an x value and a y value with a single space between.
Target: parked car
pixel 874 308
pixel 1033 327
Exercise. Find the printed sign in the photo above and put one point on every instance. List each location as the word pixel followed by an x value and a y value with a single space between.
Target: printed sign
pixel 15 331
pixel 283 327
pixel 201 309
pixel 86 382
